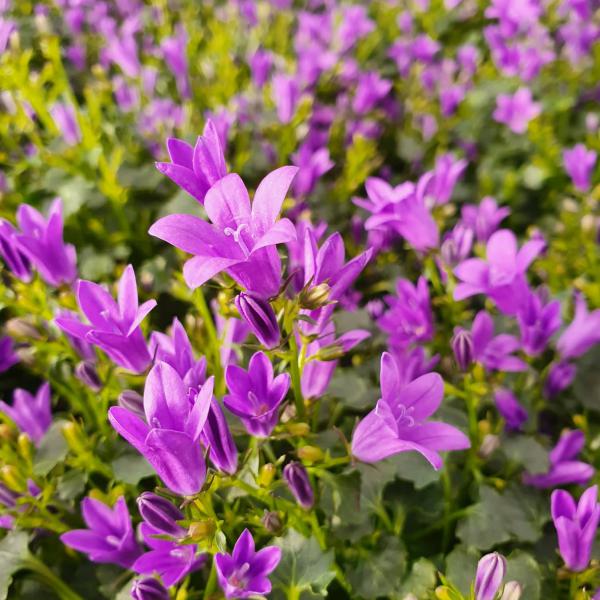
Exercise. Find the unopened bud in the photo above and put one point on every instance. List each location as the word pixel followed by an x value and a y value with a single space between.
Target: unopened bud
pixel 74 436
pixel 272 522
pixel 314 297
pixel 489 445
pixel 86 373
pixel 161 514
pixel 298 429
pixel 132 401
pixel 202 530
pixel 332 352
pixel 462 346
pixel 25 446
pixel 20 328
pixel 512 591
pixel 310 453
pixel 442 592
pixel 296 477
pixel 260 317
pixel 13 479
pixel 266 475
pixel 490 573
pixel 6 432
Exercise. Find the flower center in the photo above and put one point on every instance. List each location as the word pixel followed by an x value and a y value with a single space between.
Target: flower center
pixel 238 578
pixel 237 237
pixel 113 540
pixel 404 417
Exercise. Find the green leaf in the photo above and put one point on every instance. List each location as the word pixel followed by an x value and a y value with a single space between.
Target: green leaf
pixel 515 515
pixel 131 467
pixel 413 467
pixel 52 449
pixel 523 568
pixel 304 566
pixel 421 579
pixel 71 484
pixel 461 566
pixel 353 391
pixel 381 573
pixel 526 451
pixel 13 552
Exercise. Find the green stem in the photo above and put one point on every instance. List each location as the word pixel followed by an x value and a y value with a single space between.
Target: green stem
pixel 48 577
pixel 447 487
pixel 295 374
pixel 211 583
pixel 316 527
pixel 211 330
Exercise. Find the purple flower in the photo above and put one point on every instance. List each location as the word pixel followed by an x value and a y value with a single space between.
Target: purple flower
pixel 298 482
pixel 174 52
pixel 169 439
pixel 579 163
pixel 484 218
pixel 114 326
pixel 86 372
pixel 563 469
pixel 370 90
pixel 462 347
pixel 109 537
pixel 161 514
pixel 8 358
pixel 148 588
pixel 244 572
pixel 502 275
pixel 457 245
pixel 260 66
pixel 582 333
pixel 312 163
pixel 65 119
pixel 168 559
pixel 494 353
pixel 80 345
pixel 399 421
pixel 217 437
pixel 286 94
pixel 258 313
pixel 11 252
pixel 41 240
pixel 576 526
pixel 560 377
pixel 446 173
pixel 195 169
pixel 354 26
pixel 538 323
pixel 31 414
pixel 409 319
pixel 255 394
pixel 242 237
pixel 516 111
pixel 511 410
pixel 490 574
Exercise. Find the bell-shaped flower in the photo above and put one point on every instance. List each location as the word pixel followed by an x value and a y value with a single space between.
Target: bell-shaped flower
pixel 399 421
pixel 446 173
pixel 114 326
pixel 32 414
pixel 11 252
pixel 579 163
pixel 255 395
pixel 564 469
pixel 195 169
pixel 501 276
pixel 109 537
pixel 242 236
pixel 576 525
pixel 41 240
pixel 8 357
pixel 244 572
pixel 538 322
pixel 483 218
pixel 169 439
pixel 582 333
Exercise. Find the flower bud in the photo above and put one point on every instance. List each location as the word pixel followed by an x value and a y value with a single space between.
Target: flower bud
pixel 161 514
pixel 512 591
pixel 296 477
pixel 132 401
pixel 462 346
pixel 202 530
pixel 489 445
pixel 25 446
pixel 314 297
pixel 490 573
pixel 298 429
pixel 86 372
pixel 148 588
pixel 7 433
pixel 310 453
pixel 20 328
pixel 8 498
pixel 266 475
pixel 560 377
pixel 332 352
pixel 260 317
pixel 271 521
pixel 75 437
pixel 12 477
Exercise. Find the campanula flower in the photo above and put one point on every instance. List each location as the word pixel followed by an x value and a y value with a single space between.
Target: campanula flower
pixel 260 66
pixel 217 437
pixel 576 525
pixel 399 421
pixel 8 358
pixel 255 395
pixel 582 333
pixel 32 414
pixel 564 470
pixel 12 254
pixel 195 169
pixel 312 164
pixel 109 537
pixel 148 588
pixel 242 236
pixel 484 218
pixel 490 574
pixel 114 326
pixel 80 345
pixel 560 377
pixel 409 319
pixel 510 408
pixel 501 276
pixel 65 118
pixel 41 240
pixel 517 110
pixel 259 315
pixel 298 482
pixel 174 50
pixel 538 322
pixel 446 173
pixel 457 245
pixel 168 559
pixel 286 93
pixel 169 438
pixel 244 572
pixel 354 26
pixel 370 90
pixel 494 352
pixel 579 163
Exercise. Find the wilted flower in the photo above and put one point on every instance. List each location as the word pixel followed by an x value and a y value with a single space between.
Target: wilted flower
pixel 244 572
pixel 32 414
pixel 298 482
pixel 490 574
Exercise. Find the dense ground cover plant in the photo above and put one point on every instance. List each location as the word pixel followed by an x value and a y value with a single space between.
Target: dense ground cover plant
pixel 299 299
